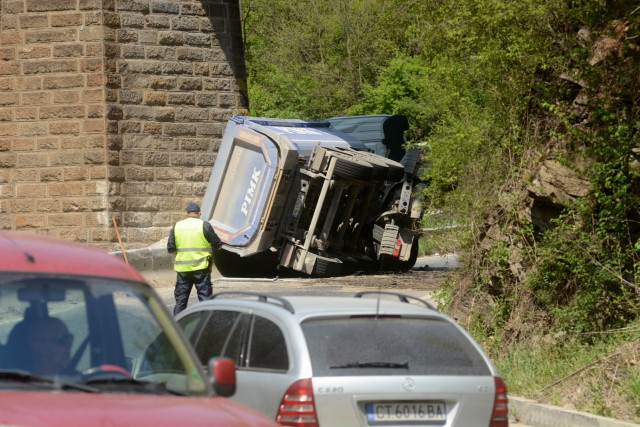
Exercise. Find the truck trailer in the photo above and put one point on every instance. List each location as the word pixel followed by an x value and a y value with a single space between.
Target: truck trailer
pixel 300 196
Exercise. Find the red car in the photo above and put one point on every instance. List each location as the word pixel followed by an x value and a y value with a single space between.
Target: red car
pixel 85 341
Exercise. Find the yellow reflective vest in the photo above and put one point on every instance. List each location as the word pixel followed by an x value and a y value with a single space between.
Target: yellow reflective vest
pixel 193 249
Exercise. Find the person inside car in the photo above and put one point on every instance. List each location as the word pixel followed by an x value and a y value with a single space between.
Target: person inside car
pixel 49 346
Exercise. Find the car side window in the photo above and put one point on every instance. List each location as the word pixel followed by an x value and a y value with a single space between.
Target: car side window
pixel 215 333
pixel 267 347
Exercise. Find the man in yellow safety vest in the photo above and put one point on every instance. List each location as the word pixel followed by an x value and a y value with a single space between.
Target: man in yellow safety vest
pixel 192 240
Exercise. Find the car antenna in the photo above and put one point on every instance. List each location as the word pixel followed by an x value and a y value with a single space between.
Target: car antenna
pixel 30 258
pixel 378 304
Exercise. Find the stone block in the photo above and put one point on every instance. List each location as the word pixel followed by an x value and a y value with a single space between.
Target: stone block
pixel 59 35
pixel 34 52
pixel 186 114
pixel 76 205
pixel 92 4
pixel 155 98
pixel 196 8
pixel 66 159
pixel 65 189
pixel 137 173
pixel 67 219
pixel 66 112
pixel 142 204
pixel 93 34
pixel 8 38
pixel 33 128
pixel 48 205
pixel 181 98
pixel 9 98
pixel 132 51
pixel 93 126
pixel 66 97
pixel 185 23
pixel 91 96
pixel 184 189
pixel 98 172
pixel 25 175
pixel 177 129
pixel 162 82
pixel 158 21
pixel 166 7
pixel 51 174
pixel 95 111
pixel 66 19
pixel 28 83
pixel 7 84
pixel 157 159
pixel 30 221
pixel 127 35
pixel 33 98
pixel 136 112
pixel 31 190
pixel 50 5
pixel 22 144
pixel 6 114
pixel 91 65
pixel 138 219
pixel 148 36
pixel 33 21
pixel 132 20
pixel 152 128
pixel 47 143
pixel 94 157
pixel 64 128
pixel 159 188
pixel 26 113
pixel 70 142
pixel 167 38
pixel 76 173
pixel 94 80
pixel 74 234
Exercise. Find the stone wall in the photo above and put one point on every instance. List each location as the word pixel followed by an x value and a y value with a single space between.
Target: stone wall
pixel 113 110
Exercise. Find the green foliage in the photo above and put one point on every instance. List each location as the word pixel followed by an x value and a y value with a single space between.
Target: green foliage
pixel 489 87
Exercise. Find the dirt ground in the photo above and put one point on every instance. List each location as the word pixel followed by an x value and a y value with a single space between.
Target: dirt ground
pixel 418 280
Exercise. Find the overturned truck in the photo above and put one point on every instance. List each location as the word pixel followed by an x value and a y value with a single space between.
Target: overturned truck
pixel 301 196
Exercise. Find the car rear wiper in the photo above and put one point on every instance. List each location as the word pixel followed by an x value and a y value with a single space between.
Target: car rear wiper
pixel 118 383
pixel 391 365
pixel 27 377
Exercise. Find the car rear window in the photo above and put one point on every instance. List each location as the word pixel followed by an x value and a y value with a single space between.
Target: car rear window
pixel 390 346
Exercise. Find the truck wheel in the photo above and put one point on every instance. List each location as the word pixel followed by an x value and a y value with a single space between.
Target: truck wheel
pixel 327 267
pixel 351 168
pixel 230 264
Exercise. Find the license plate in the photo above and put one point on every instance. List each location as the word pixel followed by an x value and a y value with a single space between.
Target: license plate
pixel 406 411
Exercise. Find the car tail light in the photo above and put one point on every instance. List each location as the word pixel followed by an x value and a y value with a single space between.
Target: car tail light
pixel 297 408
pixel 500 414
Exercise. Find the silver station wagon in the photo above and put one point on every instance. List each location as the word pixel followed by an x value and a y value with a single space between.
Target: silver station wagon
pixel 373 359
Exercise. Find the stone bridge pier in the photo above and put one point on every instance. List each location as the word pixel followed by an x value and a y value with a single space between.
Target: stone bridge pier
pixel 112 111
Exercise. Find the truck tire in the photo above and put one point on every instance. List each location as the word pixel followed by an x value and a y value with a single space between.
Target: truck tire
pixel 327 267
pixel 351 168
pixel 229 264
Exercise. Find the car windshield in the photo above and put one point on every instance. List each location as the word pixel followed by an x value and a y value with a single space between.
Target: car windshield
pixel 390 346
pixel 91 334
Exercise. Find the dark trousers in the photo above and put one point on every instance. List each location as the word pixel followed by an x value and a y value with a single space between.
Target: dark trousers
pixel 185 280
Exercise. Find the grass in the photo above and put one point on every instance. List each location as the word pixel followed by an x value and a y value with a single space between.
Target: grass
pixel 602 377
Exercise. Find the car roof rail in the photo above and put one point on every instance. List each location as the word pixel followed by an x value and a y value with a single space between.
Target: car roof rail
pixel 263 297
pixel 402 297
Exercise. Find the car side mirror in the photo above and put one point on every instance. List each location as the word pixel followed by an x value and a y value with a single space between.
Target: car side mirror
pixel 222 371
